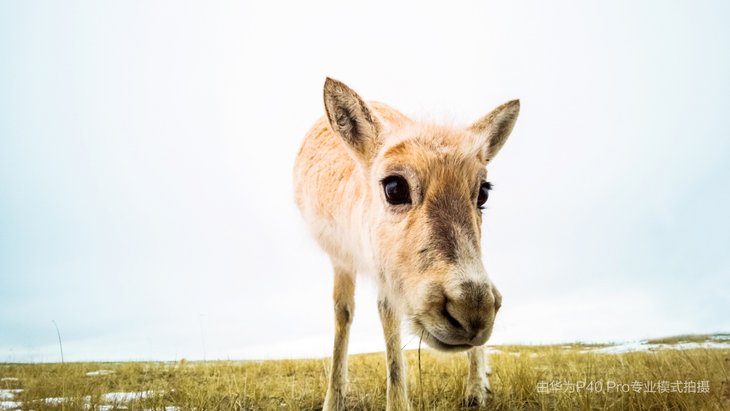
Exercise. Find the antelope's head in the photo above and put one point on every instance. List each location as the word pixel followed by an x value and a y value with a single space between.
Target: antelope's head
pixel 427 187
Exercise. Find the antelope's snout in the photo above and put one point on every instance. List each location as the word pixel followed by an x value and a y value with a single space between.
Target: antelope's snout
pixel 464 318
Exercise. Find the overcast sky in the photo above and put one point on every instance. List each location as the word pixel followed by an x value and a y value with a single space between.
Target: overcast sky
pixel 146 152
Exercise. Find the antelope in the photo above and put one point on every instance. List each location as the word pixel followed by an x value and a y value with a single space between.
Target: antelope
pixel 401 201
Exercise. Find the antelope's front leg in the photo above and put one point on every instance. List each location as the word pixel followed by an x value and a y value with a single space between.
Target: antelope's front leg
pixel 397 389
pixel 477 383
pixel 344 299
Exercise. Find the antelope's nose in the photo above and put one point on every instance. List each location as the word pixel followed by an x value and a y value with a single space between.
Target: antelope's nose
pixel 472 313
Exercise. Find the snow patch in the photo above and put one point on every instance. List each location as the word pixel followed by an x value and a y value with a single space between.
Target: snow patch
pixel 644 346
pixel 126 396
pixel 6 394
pixel 6 399
pixel 710 345
pixel 113 397
pixel 99 373
pixel 55 400
pixel 634 346
pixel 10 405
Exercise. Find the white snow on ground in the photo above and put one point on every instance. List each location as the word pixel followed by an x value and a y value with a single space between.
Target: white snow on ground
pixel 10 405
pixel 126 396
pixel 9 394
pixel 55 400
pixel 637 346
pixel 113 397
pixel 708 345
pixel 6 399
pixel 99 373
pixel 621 348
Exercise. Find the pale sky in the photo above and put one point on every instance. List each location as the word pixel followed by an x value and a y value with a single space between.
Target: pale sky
pixel 146 152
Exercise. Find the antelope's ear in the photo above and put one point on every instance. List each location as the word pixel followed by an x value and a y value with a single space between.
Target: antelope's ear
pixel 352 119
pixel 494 128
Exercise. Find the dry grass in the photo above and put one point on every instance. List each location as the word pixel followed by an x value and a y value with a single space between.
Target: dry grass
pixel 687 338
pixel 300 384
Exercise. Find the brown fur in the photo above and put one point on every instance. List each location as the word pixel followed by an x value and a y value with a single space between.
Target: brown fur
pixel 425 254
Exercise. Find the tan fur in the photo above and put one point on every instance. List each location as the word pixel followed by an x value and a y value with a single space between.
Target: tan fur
pixel 425 255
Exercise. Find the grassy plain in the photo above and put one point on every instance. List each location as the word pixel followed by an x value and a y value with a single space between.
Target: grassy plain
pixel 523 378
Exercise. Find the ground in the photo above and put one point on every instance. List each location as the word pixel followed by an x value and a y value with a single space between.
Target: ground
pixel 682 373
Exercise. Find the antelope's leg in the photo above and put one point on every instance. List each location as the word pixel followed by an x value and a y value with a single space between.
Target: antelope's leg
pixel 344 299
pixel 397 389
pixel 477 383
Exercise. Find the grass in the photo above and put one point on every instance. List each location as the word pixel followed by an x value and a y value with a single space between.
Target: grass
pixel 687 338
pixel 518 371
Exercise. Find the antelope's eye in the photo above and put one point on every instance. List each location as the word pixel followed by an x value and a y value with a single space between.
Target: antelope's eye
pixel 396 190
pixel 483 194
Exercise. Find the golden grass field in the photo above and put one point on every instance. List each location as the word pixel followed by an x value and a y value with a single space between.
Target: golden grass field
pixel 523 378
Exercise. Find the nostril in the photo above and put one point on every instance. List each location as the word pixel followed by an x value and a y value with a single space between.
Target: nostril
pixel 451 319
pixel 477 326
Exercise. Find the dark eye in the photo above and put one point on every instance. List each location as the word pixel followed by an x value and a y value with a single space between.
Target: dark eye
pixel 396 190
pixel 483 193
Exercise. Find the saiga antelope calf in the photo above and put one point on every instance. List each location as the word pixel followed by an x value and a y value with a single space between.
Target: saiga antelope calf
pixel 402 201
